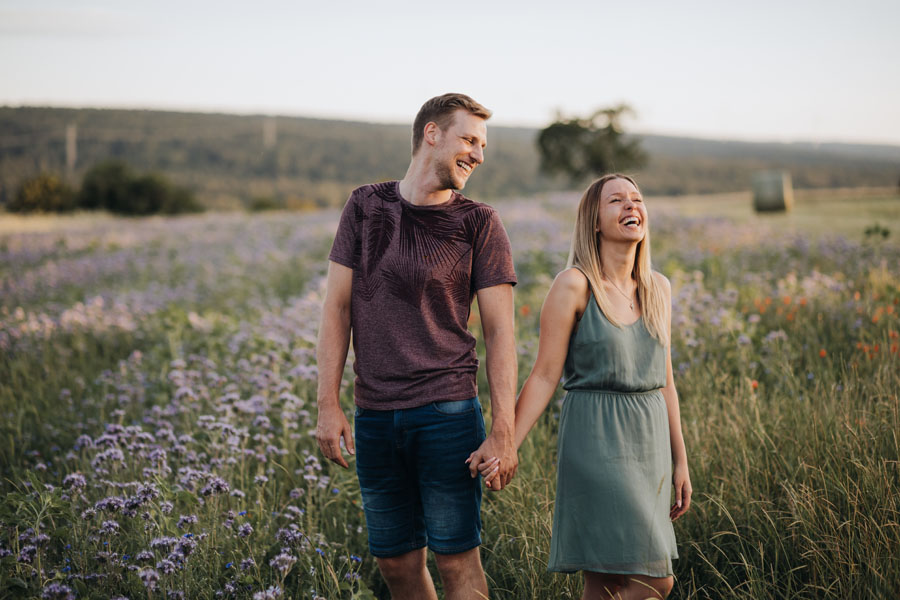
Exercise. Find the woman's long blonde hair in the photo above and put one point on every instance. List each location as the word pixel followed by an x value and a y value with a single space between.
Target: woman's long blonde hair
pixel 585 254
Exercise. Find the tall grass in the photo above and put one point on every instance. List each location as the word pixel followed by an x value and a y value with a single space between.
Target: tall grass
pixel 158 409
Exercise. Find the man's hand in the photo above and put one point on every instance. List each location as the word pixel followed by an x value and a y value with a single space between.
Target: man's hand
pixel 331 426
pixel 503 450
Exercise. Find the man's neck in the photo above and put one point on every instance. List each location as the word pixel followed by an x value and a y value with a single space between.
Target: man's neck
pixel 420 186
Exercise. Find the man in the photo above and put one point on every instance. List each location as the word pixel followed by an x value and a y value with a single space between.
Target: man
pixel 408 258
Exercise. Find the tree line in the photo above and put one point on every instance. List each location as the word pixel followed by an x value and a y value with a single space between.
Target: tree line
pixel 232 161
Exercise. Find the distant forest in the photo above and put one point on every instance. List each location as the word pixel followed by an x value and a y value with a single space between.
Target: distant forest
pixel 232 161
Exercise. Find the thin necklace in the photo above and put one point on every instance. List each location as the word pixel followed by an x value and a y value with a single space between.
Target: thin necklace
pixel 626 296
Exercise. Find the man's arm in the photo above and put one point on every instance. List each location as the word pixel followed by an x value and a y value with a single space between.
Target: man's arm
pixel 331 354
pixel 496 307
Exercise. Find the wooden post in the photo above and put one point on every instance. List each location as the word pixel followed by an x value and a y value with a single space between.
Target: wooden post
pixel 270 132
pixel 71 149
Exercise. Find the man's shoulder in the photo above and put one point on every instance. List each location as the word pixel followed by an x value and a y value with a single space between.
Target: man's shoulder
pixel 385 190
pixel 466 206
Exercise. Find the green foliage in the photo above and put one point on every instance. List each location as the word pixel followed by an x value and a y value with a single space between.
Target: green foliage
pixel 261 203
pixel 45 192
pixel 877 231
pixel 112 185
pixel 588 148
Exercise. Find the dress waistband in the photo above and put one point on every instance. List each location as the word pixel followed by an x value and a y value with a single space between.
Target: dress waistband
pixel 613 392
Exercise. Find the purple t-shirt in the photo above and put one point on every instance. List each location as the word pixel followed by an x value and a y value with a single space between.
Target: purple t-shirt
pixel 415 272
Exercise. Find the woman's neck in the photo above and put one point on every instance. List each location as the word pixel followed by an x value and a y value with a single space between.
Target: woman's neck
pixel 617 261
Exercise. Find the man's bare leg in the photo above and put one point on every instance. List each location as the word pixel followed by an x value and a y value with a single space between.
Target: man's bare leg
pixel 462 575
pixel 407 576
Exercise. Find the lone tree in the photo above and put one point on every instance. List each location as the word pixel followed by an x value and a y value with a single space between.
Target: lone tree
pixel 582 148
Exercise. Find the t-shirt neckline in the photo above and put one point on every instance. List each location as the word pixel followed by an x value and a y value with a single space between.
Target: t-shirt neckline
pixel 454 196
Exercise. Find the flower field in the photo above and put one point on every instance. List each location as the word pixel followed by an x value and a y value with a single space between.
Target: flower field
pixel 157 410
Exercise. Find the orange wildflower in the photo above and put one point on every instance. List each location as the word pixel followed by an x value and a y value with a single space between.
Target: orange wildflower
pixel 802 301
pixel 894 348
pixel 768 301
pixel 889 310
pixel 789 316
pixel 893 334
pixel 822 353
pixel 856 295
pixel 876 318
pixel 786 300
pixel 525 310
pixel 754 384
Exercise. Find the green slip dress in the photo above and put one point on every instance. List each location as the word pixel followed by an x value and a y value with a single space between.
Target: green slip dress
pixel 614 462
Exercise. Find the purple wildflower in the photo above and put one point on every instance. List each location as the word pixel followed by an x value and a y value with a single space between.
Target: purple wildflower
pixel 109 528
pixel 74 481
pixel 283 562
pixel 245 530
pixel 27 554
pixel 149 577
pixel 163 543
pixel 216 485
pixel 185 520
pixel 166 567
pixel 270 593
pixel 58 591
pixel 110 504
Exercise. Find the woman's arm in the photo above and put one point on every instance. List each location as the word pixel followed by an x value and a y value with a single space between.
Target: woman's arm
pixel 680 476
pixel 565 302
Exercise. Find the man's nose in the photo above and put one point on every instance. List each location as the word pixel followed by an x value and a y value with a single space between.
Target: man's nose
pixel 478 154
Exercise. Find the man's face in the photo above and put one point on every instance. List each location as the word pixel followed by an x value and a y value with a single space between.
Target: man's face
pixel 460 149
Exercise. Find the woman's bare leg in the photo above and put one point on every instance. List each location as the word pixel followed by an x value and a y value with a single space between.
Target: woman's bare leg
pixel 601 586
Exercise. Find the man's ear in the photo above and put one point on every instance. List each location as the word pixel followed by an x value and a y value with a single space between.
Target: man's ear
pixel 432 133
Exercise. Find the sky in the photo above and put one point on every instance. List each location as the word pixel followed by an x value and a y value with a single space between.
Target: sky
pixel 783 70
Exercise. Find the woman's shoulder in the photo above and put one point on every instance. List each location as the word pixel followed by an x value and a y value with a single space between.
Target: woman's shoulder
pixel 572 279
pixel 571 289
pixel 663 282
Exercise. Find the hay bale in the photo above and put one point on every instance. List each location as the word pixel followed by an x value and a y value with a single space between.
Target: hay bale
pixel 772 191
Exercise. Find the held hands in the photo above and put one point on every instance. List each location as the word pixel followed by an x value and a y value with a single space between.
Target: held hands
pixel 496 460
pixel 331 426
pixel 682 482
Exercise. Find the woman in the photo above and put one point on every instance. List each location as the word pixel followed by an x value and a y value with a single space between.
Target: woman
pixel 605 326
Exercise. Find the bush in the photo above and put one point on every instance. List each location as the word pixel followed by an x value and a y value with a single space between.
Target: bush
pixel 43 193
pixel 112 185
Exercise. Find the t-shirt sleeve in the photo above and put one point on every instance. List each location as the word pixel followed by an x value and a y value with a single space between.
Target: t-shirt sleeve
pixel 492 262
pixel 346 240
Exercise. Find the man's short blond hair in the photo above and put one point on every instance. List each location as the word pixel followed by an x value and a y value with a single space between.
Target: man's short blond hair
pixel 440 110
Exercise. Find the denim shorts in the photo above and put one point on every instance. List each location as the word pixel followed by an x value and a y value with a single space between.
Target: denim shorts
pixel 415 483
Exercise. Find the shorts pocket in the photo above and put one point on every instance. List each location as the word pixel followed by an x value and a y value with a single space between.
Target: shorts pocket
pixel 457 407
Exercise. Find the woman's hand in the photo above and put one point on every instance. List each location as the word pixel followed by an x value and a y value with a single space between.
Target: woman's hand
pixel 489 469
pixel 682 482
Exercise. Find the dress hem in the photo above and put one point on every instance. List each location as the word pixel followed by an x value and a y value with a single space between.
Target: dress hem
pixel 574 568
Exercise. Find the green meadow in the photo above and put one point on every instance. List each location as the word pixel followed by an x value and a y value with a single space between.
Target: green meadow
pixel 157 405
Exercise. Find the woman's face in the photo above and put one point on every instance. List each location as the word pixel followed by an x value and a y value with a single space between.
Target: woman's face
pixel 623 216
